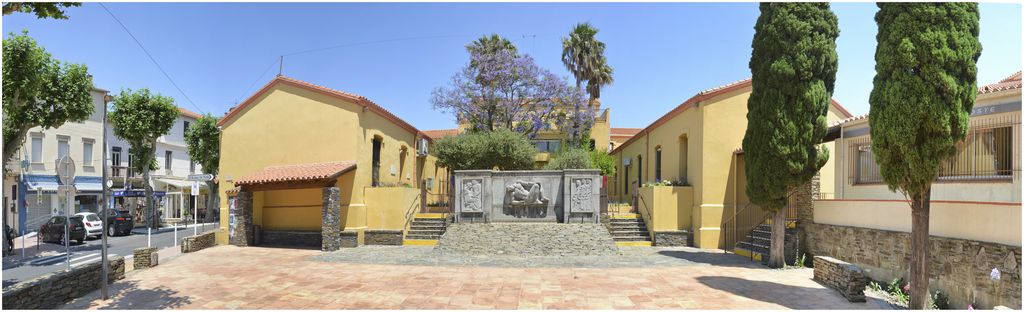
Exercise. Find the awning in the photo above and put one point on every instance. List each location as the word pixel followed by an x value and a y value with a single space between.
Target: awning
pixel 48 183
pixel 136 193
pixel 182 184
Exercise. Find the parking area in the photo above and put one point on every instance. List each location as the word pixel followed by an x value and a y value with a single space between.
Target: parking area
pixel 228 277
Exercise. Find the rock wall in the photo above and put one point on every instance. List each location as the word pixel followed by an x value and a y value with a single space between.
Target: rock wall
pixel 198 242
pixel 53 289
pixel 292 238
pixel 961 269
pixel 673 238
pixel 145 257
pixel 527 239
pixel 844 277
pixel 382 237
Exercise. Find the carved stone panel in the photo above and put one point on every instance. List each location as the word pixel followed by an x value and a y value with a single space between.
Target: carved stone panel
pixel 525 199
pixel 581 193
pixel 472 195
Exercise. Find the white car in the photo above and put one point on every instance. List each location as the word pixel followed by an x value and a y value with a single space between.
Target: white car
pixel 93 224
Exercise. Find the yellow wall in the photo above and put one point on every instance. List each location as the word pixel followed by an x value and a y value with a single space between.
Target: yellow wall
pixel 670 205
pixel 714 131
pixel 293 125
pixel 987 222
pixel 298 209
pixel 389 207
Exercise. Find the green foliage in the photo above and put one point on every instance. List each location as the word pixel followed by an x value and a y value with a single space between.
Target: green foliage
pixel 601 160
pixel 875 286
pixel 924 89
pixel 794 64
pixel 939 301
pixel 139 118
pixel 678 182
pixel 54 10
pixel 570 158
pixel 203 141
pixel 583 55
pixel 800 261
pixel 39 91
pixel 490 45
pixel 501 149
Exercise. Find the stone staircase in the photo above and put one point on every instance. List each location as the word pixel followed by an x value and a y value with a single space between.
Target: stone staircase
pixel 757 244
pixel 527 239
pixel 426 229
pixel 629 230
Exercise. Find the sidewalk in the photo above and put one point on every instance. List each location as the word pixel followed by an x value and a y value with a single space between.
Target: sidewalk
pixel 181 228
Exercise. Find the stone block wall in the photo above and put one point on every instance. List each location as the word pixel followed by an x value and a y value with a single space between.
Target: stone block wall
pixel 959 268
pixel 844 277
pixel 242 231
pixel 673 238
pixel 527 239
pixel 331 224
pixel 382 237
pixel 53 289
pixel 348 239
pixel 145 257
pixel 198 242
pixel 292 238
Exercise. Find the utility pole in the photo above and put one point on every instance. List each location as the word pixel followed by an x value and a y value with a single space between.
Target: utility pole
pixel 280 66
pixel 109 207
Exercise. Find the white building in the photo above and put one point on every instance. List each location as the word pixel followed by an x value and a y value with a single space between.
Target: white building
pixel 30 193
pixel 169 180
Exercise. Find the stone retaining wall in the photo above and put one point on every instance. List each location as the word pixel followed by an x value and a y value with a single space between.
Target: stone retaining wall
pixel 348 239
pixel 673 238
pixel 846 278
pixel 527 239
pixel 292 238
pixel 198 242
pixel 53 289
pixel 145 257
pixel 960 268
pixel 382 237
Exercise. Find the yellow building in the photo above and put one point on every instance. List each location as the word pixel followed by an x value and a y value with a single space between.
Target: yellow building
pixel 302 164
pixel 698 144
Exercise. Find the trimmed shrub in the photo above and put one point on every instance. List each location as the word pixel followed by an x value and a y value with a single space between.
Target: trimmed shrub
pixel 500 149
pixel 571 158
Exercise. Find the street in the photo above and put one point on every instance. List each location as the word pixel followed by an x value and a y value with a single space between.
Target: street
pixel 50 257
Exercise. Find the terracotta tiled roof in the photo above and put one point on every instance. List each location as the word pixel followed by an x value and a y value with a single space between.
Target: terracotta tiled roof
pixel 354 98
pixel 188 113
pixel 624 132
pixel 296 173
pixel 703 96
pixel 437 134
pixel 854 118
pixel 1008 83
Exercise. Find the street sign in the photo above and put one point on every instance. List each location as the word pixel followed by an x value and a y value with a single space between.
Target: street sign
pixel 195 188
pixel 200 177
pixel 66 170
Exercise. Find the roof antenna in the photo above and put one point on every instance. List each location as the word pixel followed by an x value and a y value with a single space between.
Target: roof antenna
pixel 280 66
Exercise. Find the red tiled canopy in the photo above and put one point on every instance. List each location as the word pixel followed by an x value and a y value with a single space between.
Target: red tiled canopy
pixel 297 173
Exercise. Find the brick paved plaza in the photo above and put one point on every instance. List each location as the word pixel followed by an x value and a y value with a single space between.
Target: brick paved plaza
pixel 228 277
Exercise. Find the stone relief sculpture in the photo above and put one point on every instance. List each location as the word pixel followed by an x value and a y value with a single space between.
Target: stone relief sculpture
pixel 472 196
pixel 582 190
pixel 524 199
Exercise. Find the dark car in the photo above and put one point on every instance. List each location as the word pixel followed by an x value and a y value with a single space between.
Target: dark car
pixel 119 222
pixel 53 230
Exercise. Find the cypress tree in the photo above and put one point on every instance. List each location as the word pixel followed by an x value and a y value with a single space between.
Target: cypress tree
pixel 794 66
pixel 924 89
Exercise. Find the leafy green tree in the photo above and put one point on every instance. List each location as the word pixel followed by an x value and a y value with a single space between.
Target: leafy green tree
pixel 924 89
pixel 203 141
pixel 140 118
pixel 794 66
pixel 603 161
pixel 54 10
pixel 583 56
pixel 39 91
pixel 502 149
pixel 571 158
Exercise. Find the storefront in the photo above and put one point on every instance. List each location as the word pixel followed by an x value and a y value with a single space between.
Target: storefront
pixel 41 200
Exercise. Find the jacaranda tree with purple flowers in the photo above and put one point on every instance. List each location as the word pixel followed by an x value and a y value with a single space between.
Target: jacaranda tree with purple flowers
pixel 503 90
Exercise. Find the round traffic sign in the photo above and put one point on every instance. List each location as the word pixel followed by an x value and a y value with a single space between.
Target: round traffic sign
pixel 66 170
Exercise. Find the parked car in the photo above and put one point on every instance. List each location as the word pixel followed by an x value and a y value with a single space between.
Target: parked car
pixel 93 224
pixel 53 229
pixel 119 222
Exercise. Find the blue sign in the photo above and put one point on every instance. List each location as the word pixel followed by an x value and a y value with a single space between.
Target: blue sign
pixel 137 193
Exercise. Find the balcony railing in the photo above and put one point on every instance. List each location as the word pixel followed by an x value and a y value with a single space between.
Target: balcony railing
pixel 123 172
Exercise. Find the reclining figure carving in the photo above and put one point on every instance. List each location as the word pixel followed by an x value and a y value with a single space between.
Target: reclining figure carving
pixel 525 199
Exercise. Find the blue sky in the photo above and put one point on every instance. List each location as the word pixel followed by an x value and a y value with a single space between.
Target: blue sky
pixel 662 53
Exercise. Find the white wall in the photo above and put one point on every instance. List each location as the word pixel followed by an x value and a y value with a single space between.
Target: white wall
pixel 173 141
pixel 77 133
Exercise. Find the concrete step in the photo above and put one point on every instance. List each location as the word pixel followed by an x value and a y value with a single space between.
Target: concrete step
pixel 631 238
pixel 422 237
pixel 628 233
pixel 419 242
pixel 426 232
pixel 629 227
pixel 427 227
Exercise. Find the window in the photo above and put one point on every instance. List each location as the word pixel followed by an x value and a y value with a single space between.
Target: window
pixel 866 168
pixel 191 166
pixel 625 181
pixel 984 154
pixel 657 163
pixel 37 149
pixel 683 150
pixel 375 171
pixel 63 147
pixel 639 170
pixel 131 162
pixel 87 152
pixel 547 146
pixel 167 160
pixel 184 130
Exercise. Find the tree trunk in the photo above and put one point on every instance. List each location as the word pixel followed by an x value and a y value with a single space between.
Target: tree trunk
pixel 150 203
pixel 12 145
pixel 919 247
pixel 777 257
pixel 212 200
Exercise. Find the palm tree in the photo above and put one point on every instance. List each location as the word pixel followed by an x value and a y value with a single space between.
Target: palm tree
pixel 583 56
pixel 491 44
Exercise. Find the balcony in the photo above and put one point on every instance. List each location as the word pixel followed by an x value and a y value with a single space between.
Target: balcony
pixel 122 172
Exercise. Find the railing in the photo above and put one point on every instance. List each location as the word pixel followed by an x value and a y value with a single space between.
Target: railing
pixel 738 226
pixel 123 172
pixel 649 220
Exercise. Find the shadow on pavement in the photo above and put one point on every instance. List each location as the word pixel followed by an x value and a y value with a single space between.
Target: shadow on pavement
pixel 789 296
pixel 129 295
pixel 716 259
